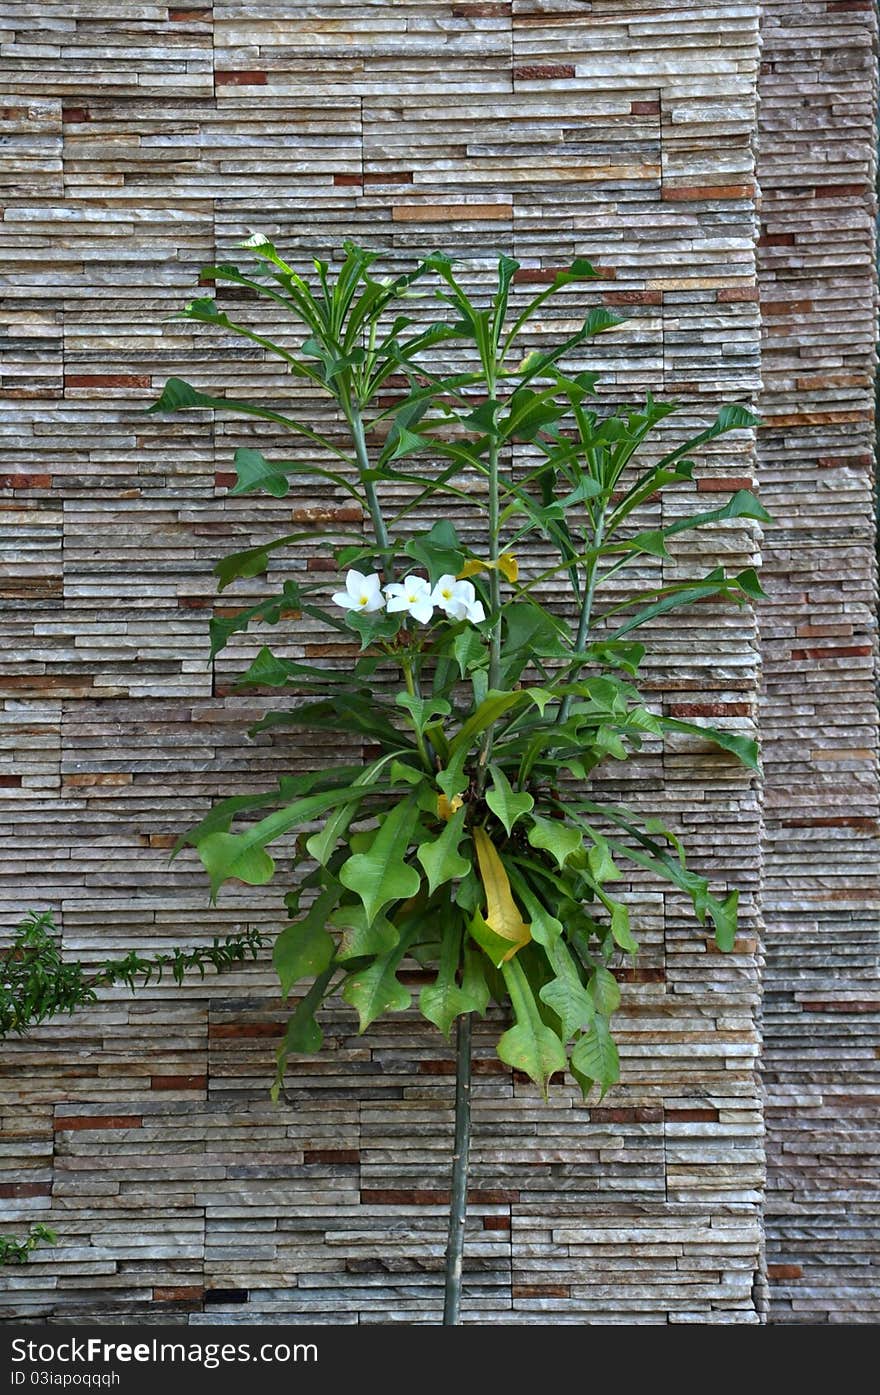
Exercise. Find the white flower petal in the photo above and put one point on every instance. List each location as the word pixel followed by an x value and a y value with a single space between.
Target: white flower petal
pixel 422 610
pixel 476 613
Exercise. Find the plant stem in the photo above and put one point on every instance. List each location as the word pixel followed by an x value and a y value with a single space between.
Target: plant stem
pixel 356 423
pixel 461 1151
pixel 494 599
pixel 586 608
pixel 410 681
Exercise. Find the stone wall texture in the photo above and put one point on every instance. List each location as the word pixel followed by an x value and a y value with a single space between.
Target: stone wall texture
pixel 142 142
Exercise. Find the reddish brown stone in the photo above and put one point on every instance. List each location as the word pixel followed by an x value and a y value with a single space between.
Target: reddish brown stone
pixel 72 1122
pixel 86 380
pixel 636 1114
pixel 342 1157
pixel 452 213
pixel 10 782
pixel 846 651
pixel 645 108
pixel 389 177
pixel 785 1271
pixel 632 297
pixel 840 191
pixel 240 78
pixel 179 1293
pixel 194 602
pixel 196 12
pixel 725 485
pixel 22 1189
pixel 528 72
pixel 687 193
pixel 546 275
pixel 75 114
pixel 25 481
pixel 692 1116
pixel 776 240
pixel 733 294
pixel 224 479
pixel 347 513
pixel 93 777
pixel 496 1223
pixel 775 309
pixel 345 180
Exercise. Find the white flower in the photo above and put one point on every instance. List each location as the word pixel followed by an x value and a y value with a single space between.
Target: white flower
pixel 257 239
pixel 413 595
pixel 361 592
pixel 458 599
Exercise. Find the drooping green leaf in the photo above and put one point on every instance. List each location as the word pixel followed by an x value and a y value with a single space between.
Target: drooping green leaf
pixel 604 990
pixel 441 859
pixel 556 837
pixel 381 875
pixel 601 863
pixel 362 938
pixel 443 1000
pixel 376 989
pixel 530 1045
pixel 305 949
pixel 620 930
pixel 243 855
pixel 506 803
pixel 565 993
pixel 595 1055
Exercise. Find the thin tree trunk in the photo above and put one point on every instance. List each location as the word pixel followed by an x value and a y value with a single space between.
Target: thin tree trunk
pixel 461 1150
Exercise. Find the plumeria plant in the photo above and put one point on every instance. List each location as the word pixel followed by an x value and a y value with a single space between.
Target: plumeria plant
pixel 463 829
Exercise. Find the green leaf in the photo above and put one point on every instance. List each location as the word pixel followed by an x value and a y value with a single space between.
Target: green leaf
pixel 423 710
pixel 473 979
pixel 529 1046
pixel 595 1055
pixel 441 859
pixel 270 611
pixel 254 471
pixel 494 946
pixel 439 550
pixel 742 746
pixel 600 861
pixel 362 938
pixel 493 706
pixel 743 504
pixel 604 990
pixel 304 949
pixel 505 802
pixel 374 625
pixel 231 856
pixel 381 875
pixel 620 930
pixel 443 1000
pixel 724 918
pixel 303 1035
pixel 544 926
pixel 565 994
pixel 376 989
pixel 556 837
pixel 469 649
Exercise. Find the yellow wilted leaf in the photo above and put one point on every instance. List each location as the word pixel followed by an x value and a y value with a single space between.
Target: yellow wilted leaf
pixel 446 807
pixel 502 913
pixel 506 564
pixel 471 568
